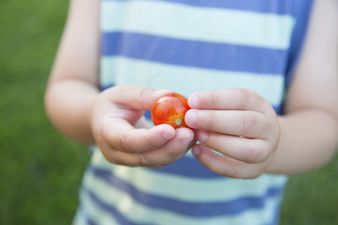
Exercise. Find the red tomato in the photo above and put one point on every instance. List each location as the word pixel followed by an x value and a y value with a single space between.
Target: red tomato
pixel 170 109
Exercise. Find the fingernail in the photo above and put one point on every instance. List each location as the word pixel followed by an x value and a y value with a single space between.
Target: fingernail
pixel 190 117
pixel 193 101
pixel 203 136
pixel 196 151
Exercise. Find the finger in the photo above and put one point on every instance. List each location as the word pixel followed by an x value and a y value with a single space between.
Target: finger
pixel 173 150
pixel 245 123
pixel 226 166
pixel 242 149
pixel 170 152
pixel 119 157
pixel 135 97
pixel 121 136
pixel 234 99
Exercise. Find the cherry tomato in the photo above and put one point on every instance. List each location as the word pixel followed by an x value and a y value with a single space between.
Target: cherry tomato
pixel 170 109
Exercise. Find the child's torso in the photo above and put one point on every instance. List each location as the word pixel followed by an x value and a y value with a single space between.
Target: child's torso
pixel 188 46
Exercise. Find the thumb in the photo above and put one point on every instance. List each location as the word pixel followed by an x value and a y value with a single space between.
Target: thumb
pixel 135 97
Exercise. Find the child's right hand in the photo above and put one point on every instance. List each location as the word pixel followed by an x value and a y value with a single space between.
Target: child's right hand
pixel 117 111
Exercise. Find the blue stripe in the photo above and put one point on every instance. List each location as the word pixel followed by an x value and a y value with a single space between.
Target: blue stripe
pixel 111 210
pixel 82 218
pixel 147 115
pixel 276 216
pixel 188 53
pixel 90 221
pixel 267 6
pixel 105 86
pixel 278 109
pixel 188 167
pixel 196 209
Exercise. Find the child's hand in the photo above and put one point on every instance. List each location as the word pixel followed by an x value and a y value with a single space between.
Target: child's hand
pixel 117 113
pixel 237 123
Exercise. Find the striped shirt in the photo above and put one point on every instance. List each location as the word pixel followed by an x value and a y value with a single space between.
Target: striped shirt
pixel 189 46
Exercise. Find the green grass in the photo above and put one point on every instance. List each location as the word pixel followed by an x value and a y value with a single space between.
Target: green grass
pixel 312 198
pixel 41 170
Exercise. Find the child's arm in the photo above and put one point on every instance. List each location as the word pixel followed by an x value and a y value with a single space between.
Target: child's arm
pixel 77 108
pixel 73 82
pixel 251 136
pixel 309 131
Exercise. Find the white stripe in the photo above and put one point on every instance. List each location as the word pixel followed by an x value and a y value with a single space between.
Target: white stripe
pixel 190 189
pixel 79 218
pixel 187 80
pixel 97 215
pixel 197 23
pixel 138 213
pixel 106 75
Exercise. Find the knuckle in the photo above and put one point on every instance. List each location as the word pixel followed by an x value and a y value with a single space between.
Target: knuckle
pixel 211 121
pixel 144 162
pixel 213 99
pixel 142 94
pixel 255 153
pixel 124 143
pixel 249 123
pixel 244 96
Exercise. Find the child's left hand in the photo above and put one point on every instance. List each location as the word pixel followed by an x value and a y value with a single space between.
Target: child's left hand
pixel 237 123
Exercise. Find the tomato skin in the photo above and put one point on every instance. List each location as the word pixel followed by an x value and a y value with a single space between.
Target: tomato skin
pixel 170 109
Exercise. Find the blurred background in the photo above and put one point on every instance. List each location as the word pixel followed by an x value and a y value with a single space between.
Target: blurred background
pixel 41 171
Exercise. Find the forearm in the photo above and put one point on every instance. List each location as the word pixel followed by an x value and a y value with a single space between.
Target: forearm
pixel 308 140
pixel 69 104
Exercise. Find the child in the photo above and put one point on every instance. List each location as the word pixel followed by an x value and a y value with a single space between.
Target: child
pixel 263 105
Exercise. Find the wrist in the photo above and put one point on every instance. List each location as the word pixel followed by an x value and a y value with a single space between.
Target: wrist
pixel 272 168
pixel 89 114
